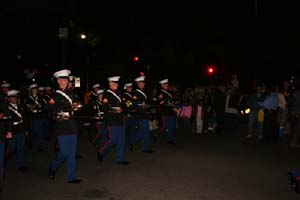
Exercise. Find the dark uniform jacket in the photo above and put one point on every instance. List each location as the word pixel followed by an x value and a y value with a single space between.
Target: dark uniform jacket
pixel 35 107
pixel 111 101
pixel 19 124
pixel 127 102
pixel 47 97
pixel 94 109
pixel 140 102
pixel 5 125
pixel 98 109
pixel 93 97
pixel 165 98
pixel 45 100
pixel 61 101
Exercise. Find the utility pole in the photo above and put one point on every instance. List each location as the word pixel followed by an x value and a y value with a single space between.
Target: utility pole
pixel 63 36
pixel 64 30
pixel 256 8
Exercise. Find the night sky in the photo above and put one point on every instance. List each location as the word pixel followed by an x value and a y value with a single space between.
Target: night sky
pixel 174 42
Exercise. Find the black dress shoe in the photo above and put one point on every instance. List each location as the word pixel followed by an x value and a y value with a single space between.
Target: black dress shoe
pixel 148 151
pixel 99 157
pixel 130 147
pixel 51 174
pixel 76 181
pixel 123 163
pixel 23 169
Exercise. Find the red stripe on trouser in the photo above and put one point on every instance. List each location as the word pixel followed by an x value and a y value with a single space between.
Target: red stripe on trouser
pixel 163 124
pixel 6 150
pixel 98 134
pixel 56 147
pixel 107 141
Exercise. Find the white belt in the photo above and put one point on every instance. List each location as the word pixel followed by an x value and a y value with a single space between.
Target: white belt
pixel 64 114
pixel 36 111
pixel 116 108
pixel 17 123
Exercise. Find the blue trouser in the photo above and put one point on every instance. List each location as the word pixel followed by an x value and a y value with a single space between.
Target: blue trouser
pixel 2 155
pixel 38 129
pixel 67 151
pixel 98 134
pixel 131 127
pixel 116 136
pixel 47 127
pixel 170 122
pixel 144 133
pixel 17 144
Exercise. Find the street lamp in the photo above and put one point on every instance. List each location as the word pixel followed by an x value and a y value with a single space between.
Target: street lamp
pixel 83 36
pixel 63 34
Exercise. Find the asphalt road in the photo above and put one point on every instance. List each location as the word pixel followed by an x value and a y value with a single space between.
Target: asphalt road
pixel 210 167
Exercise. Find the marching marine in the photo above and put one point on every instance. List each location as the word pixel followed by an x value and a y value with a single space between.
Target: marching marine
pixel 61 111
pixel 167 110
pixel 114 117
pixel 140 103
pixel 19 129
pixel 36 116
pixel 128 111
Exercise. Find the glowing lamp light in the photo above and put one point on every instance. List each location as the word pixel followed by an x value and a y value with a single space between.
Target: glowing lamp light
pixel 247 111
pixel 83 36
pixel 135 58
pixel 210 70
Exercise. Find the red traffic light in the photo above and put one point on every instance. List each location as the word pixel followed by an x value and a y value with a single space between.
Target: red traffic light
pixel 135 58
pixel 211 70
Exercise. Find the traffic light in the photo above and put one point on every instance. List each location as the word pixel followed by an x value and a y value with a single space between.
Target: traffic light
pixel 211 70
pixel 135 58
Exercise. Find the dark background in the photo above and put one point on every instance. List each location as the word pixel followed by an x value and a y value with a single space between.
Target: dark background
pixel 257 39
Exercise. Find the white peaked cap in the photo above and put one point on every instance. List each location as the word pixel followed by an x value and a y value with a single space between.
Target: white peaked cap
pixel 127 85
pixel 48 88
pixel 41 88
pixel 100 92
pixel 164 81
pixel 12 93
pixel 141 78
pixel 113 78
pixel 33 86
pixel 96 85
pixel 5 85
pixel 62 73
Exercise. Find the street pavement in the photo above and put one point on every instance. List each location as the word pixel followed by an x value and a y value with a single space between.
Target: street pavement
pixel 199 167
